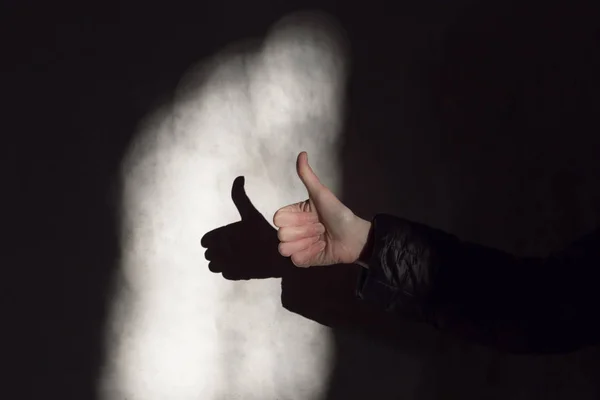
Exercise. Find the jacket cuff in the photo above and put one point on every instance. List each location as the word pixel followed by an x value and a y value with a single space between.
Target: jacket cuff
pixel 374 285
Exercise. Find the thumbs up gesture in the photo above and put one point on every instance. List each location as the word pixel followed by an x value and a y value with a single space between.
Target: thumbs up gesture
pixel 320 230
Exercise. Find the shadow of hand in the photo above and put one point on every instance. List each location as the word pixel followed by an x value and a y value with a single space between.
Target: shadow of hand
pixel 246 249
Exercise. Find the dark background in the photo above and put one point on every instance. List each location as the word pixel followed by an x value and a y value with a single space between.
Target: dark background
pixel 476 117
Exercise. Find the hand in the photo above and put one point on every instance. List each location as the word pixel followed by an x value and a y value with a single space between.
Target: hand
pixel 320 230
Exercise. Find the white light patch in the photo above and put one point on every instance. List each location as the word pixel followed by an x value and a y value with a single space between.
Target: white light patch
pixel 177 330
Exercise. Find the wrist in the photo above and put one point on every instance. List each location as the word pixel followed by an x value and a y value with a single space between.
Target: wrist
pixel 365 246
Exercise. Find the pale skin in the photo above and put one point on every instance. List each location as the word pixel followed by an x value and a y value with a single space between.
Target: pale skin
pixel 320 230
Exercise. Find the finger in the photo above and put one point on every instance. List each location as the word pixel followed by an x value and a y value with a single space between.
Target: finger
pixel 210 238
pixel 284 218
pixel 241 200
pixel 208 255
pixel 216 236
pixel 286 249
pixel 292 233
pixel 305 257
pixel 307 175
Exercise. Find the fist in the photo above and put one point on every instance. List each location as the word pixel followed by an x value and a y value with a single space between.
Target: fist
pixel 320 230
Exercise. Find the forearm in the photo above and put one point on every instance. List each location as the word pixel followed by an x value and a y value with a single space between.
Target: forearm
pixel 477 292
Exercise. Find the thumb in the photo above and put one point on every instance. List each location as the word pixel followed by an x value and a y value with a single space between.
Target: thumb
pixel 241 200
pixel 307 175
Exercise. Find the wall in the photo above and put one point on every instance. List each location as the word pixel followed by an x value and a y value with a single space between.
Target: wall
pixel 478 121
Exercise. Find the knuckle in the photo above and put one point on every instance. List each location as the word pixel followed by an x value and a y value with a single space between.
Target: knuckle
pixel 282 250
pixel 299 262
pixel 296 262
pixel 276 218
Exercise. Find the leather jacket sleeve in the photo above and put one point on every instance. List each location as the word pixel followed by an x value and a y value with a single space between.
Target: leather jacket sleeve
pixel 483 294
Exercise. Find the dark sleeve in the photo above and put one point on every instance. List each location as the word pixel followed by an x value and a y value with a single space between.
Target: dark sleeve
pixel 483 294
